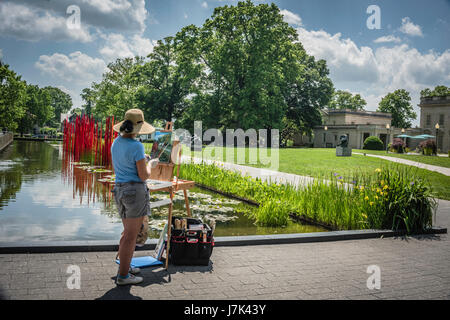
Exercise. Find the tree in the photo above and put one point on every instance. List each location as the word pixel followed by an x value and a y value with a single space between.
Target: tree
pixel 165 81
pixel 253 71
pixel 309 92
pixel 12 98
pixel 399 105
pixel 38 109
pixel 438 91
pixel 88 96
pixel 61 102
pixel 115 94
pixel 345 100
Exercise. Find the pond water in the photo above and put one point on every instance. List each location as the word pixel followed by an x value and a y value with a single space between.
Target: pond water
pixel 44 196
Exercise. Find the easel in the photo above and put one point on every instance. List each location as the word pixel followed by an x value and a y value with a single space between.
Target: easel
pixel 164 172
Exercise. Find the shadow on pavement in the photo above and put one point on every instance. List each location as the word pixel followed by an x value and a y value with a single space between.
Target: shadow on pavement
pixel 421 237
pixel 151 277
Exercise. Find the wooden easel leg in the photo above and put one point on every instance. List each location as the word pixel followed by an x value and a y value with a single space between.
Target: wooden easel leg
pixel 186 201
pixel 169 229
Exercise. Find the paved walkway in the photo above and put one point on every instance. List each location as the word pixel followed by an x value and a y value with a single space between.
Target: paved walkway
pixel 263 174
pixel 443 170
pixel 411 268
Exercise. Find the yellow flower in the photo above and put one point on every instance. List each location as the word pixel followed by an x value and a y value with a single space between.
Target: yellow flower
pixel 382 182
pixel 361 188
pixel 371 203
pixel 376 197
pixel 378 190
pixel 364 215
pixel 385 187
pixel 366 198
pixel 377 170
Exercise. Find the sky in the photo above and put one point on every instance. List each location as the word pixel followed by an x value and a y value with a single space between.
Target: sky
pixel 371 47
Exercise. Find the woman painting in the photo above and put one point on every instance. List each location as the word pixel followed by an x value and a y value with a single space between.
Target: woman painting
pixel 130 191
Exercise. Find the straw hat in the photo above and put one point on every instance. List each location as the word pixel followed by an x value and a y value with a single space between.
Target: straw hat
pixel 136 116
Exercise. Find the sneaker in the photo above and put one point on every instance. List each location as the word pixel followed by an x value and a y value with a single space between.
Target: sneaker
pixel 134 270
pixel 131 270
pixel 132 279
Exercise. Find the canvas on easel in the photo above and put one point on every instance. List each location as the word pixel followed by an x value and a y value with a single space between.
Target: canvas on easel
pixel 162 146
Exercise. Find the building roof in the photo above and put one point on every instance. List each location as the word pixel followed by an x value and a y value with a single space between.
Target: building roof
pixel 359 112
pixel 435 101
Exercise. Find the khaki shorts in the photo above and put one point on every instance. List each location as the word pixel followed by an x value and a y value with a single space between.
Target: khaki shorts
pixel 132 199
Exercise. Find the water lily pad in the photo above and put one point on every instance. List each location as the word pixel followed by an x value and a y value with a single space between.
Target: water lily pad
pixel 80 163
pixel 101 170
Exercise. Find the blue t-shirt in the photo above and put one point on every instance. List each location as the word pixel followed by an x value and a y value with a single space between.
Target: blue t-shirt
pixel 125 152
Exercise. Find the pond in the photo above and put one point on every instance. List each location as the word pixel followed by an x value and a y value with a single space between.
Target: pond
pixel 44 196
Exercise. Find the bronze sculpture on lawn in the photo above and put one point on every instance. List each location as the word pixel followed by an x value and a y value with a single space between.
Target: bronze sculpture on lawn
pixel 342 149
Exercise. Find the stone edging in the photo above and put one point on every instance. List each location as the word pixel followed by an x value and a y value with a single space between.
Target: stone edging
pixel 109 245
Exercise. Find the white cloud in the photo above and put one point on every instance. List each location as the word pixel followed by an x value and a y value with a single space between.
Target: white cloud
pixel 374 73
pixel 405 67
pixel 410 28
pixel 35 20
pixel 28 23
pixel 291 18
pixel 398 67
pixel 347 62
pixel 76 68
pixel 389 38
pixel 204 4
pixel 118 46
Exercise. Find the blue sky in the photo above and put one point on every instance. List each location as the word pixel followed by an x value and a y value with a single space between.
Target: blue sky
pixel 410 50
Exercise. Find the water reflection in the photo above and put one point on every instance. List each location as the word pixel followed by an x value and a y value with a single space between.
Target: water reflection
pixel 25 161
pixel 86 186
pixel 44 195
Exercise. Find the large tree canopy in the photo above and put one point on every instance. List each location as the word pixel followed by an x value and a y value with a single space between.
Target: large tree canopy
pixel 243 68
pixel 61 102
pixel 345 100
pixel 255 71
pixel 116 93
pixel 38 108
pixel 12 98
pixel 398 103
pixel 166 80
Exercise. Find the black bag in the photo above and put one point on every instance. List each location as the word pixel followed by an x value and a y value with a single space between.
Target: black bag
pixel 188 247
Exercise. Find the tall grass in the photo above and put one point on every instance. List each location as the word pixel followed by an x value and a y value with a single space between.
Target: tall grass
pixel 391 197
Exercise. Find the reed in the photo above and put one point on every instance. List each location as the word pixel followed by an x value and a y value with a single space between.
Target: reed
pixel 389 198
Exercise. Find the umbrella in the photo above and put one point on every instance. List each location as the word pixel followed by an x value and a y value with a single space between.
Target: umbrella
pixel 404 136
pixel 423 136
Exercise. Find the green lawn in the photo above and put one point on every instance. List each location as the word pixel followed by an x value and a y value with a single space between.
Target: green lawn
pixel 318 162
pixel 433 160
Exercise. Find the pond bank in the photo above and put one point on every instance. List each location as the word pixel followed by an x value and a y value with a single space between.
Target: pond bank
pixel 272 239
pixel 5 140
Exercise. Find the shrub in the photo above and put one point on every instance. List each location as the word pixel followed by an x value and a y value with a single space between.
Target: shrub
pixel 398 145
pixel 405 200
pixel 373 143
pixel 428 147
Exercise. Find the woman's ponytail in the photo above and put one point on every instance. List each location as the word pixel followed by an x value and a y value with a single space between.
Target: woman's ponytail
pixel 127 126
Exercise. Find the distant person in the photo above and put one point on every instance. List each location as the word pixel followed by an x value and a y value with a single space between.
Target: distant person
pixel 132 168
